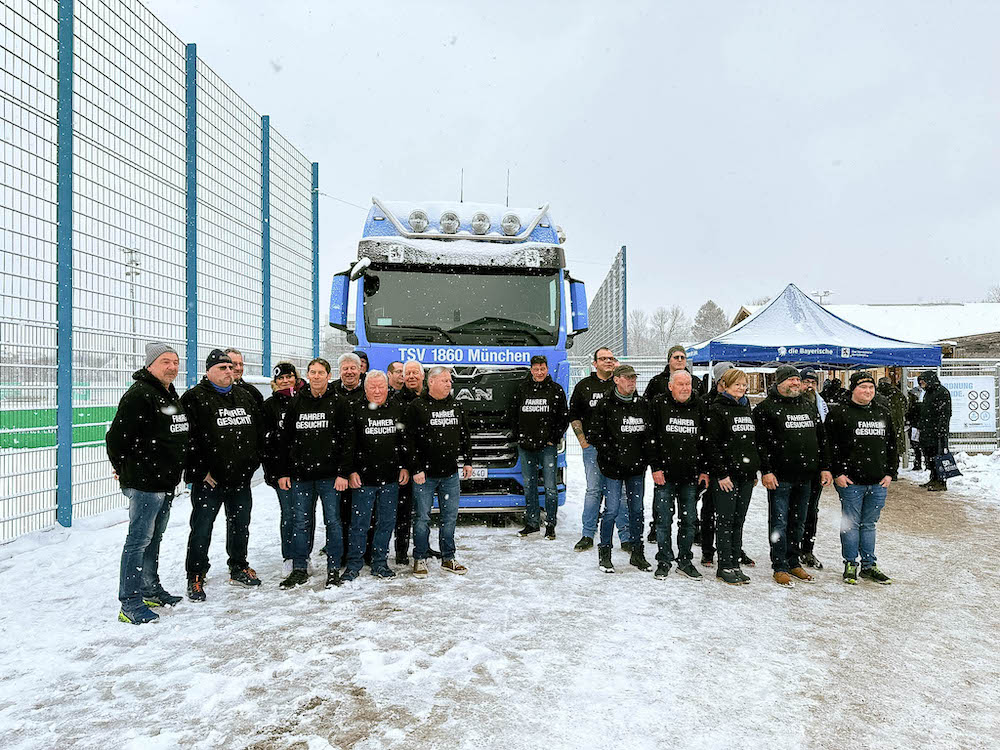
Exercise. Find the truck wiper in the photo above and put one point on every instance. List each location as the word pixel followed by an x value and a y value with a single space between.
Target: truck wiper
pixel 436 329
pixel 506 325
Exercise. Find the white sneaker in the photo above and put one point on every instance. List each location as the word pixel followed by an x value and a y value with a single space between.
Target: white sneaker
pixel 286 568
pixel 419 568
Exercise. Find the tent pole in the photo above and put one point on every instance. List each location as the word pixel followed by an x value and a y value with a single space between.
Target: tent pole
pixel 904 373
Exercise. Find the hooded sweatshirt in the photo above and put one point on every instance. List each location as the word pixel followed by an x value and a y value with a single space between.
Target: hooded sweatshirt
pixel 586 396
pixel 437 435
pixel 731 439
pixel 316 439
pixel 227 435
pixel 620 430
pixel 678 435
pixel 538 413
pixel 148 437
pixel 379 441
pixel 791 441
pixel 862 444
pixel 273 412
pixel 935 410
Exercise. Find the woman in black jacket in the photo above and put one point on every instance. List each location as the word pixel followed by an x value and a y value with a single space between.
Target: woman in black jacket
pixel 733 461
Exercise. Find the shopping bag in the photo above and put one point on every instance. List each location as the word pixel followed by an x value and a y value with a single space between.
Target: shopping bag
pixel 945 465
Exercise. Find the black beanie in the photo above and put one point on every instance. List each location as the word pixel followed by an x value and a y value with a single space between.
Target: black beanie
pixel 284 368
pixel 860 377
pixel 217 357
pixel 785 372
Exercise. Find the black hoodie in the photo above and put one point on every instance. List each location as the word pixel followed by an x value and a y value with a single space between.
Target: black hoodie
pixel 620 430
pixel 658 385
pixel 379 441
pixel 791 441
pixel 316 437
pixel 227 435
pixel 354 396
pixel 935 410
pixel 731 449
pixel 586 396
pixel 538 414
pixel 678 435
pixel 148 437
pixel 273 412
pixel 862 444
pixel 438 436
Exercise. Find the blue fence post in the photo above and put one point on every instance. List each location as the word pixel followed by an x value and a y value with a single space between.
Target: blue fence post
pixel 315 242
pixel 624 302
pixel 191 209
pixel 64 270
pixel 265 240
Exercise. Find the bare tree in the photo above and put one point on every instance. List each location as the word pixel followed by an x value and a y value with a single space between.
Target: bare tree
pixel 669 327
pixel 640 339
pixel 759 301
pixel 993 294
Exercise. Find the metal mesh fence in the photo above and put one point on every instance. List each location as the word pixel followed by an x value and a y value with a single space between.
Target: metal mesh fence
pixel 987 440
pixel 607 312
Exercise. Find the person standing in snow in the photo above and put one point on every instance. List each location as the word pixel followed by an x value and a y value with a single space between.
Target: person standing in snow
pixel 935 425
pixel 226 441
pixel 915 398
pixel 864 463
pixel 704 530
pixel 620 430
pixel 237 357
pixel 791 444
pixel 538 418
pixel 810 380
pixel 349 386
pixel 438 444
pixel 586 396
pixel 146 444
pixel 895 402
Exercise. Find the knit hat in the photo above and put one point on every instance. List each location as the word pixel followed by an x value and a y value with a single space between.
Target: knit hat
pixel 676 348
pixel 217 357
pixel 721 369
pixel 362 355
pixel 860 377
pixel 808 373
pixel 155 349
pixel 284 368
pixel 785 372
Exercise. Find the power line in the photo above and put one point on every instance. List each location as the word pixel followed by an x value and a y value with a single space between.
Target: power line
pixel 355 205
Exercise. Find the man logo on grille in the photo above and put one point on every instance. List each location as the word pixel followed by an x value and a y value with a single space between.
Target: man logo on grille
pixel 474 394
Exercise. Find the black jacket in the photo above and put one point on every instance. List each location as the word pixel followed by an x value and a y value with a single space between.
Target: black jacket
pixel 379 441
pixel 316 437
pixel 538 413
pixel 791 441
pixel 731 444
pixel 862 443
pixel 438 436
pixel 148 437
pixel 621 432
pixel 250 388
pixel 657 385
pixel 227 435
pixel 935 411
pixel 273 413
pixel 586 396
pixel 404 396
pixel 355 396
pixel 678 436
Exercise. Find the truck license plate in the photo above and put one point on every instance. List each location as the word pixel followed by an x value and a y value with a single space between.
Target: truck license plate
pixel 479 473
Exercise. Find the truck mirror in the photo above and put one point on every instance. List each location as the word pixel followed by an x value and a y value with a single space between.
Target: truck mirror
pixel 338 301
pixel 578 300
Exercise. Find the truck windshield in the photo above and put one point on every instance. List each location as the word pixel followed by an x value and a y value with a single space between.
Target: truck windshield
pixel 488 306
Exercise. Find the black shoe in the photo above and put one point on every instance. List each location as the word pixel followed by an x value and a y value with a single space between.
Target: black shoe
pixel 810 561
pixel 244 577
pixel 349 575
pixel 651 536
pixel 743 576
pixel 745 559
pixel 585 543
pixel 627 547
pixel 688 569
pixel 161 599
pixel 875 575
pixel 604 558
pixel 196 587
pixel 434 553
pixel 697 539
pixel 333 578
pixel 638 559
pixel 937 487
pixel 295 578
pixel 527 530
pixel 731 576
pixel 402 560
pixel 662 571
pixel 550 532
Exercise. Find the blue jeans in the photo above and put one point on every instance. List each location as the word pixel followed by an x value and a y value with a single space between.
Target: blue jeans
pixel 787 507
pixel 148 513
pixel 530 461
pixel 632 488
pixel 685 494
pixel 448 491
pixel 860 507
pixel 382 500
pixel 306 492
pixel 595 494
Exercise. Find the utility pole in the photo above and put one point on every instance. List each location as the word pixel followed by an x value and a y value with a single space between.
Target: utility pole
pixel 131 275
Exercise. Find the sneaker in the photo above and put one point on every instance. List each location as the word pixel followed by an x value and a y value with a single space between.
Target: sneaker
pixel 627 547
pixel 140 616
pixel 745 559
pixel 196 587
pixel 875 575
pixel 926 484
pixel 244 577
pixel 744 578
pixel 453 566
pixel 706 560
pixel 585 543
pixel 662 571
pixel 295 578
pixel 402 560
pixel 333 578
pixel 651 536
pixel 436 554
pixel 528 530
pixel 638 559
pixel 937 487
pixel 850 572
pixel 349 575
pixel 604 558
pixel 688 569
pixel 810 561
pixel 550 532
pixel 783 579
pixel 161 599
pixel 420 568
pixel 383 571
pixel 731 576
pixel 287 566
pixel 801 574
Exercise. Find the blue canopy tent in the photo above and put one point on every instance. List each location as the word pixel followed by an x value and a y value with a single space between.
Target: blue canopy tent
pixel 793 328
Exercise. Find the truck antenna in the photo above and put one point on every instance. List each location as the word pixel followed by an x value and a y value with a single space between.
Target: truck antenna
pixel 508 187
pixel 461 187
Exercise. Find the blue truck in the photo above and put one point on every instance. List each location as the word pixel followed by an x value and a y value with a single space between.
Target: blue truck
pixel 480 288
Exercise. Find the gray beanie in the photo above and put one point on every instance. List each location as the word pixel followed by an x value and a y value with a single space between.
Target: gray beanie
pixel 721 369
pixel 155 349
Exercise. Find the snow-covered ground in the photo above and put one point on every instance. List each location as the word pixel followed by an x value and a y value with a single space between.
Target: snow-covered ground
pixel 535 648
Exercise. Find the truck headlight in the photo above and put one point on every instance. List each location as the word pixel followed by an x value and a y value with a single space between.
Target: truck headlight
pixel 449 222
pixel 480 223
pixel 418 220
pixel 510 224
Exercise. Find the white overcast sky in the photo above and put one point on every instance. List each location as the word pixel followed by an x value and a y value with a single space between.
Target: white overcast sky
pixel 732 146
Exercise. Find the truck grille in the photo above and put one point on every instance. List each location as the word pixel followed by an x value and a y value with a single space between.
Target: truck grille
pixel 493 443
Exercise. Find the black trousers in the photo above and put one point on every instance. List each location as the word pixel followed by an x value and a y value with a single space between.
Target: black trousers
pixel 404 520
pixel 931 451
pixel 205 504
pixel 812 518
pixel 731 512
pixel 707 524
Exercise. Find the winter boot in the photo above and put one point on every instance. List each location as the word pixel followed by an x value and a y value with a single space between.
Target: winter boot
pixel 604 558
pixel 638 559
pixel 333 578
pixel 662 571
pixel 585 543
pixel 627 547
pixel 295 578
pixel 196 587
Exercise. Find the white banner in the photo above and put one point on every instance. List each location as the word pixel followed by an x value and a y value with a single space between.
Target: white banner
pixel 973 402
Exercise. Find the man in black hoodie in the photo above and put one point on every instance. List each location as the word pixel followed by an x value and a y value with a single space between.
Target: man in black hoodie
pixel 317 450
pixel 351 387
pixel 864 461
pixel 227 438
pixel 791 443
pixel 237 357
pixel 620 430
pixel 934 426
pixel 538 419
pixel 145 444
pixel 438 439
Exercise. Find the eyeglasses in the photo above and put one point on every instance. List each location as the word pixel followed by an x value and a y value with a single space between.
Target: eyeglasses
pixel 609 359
